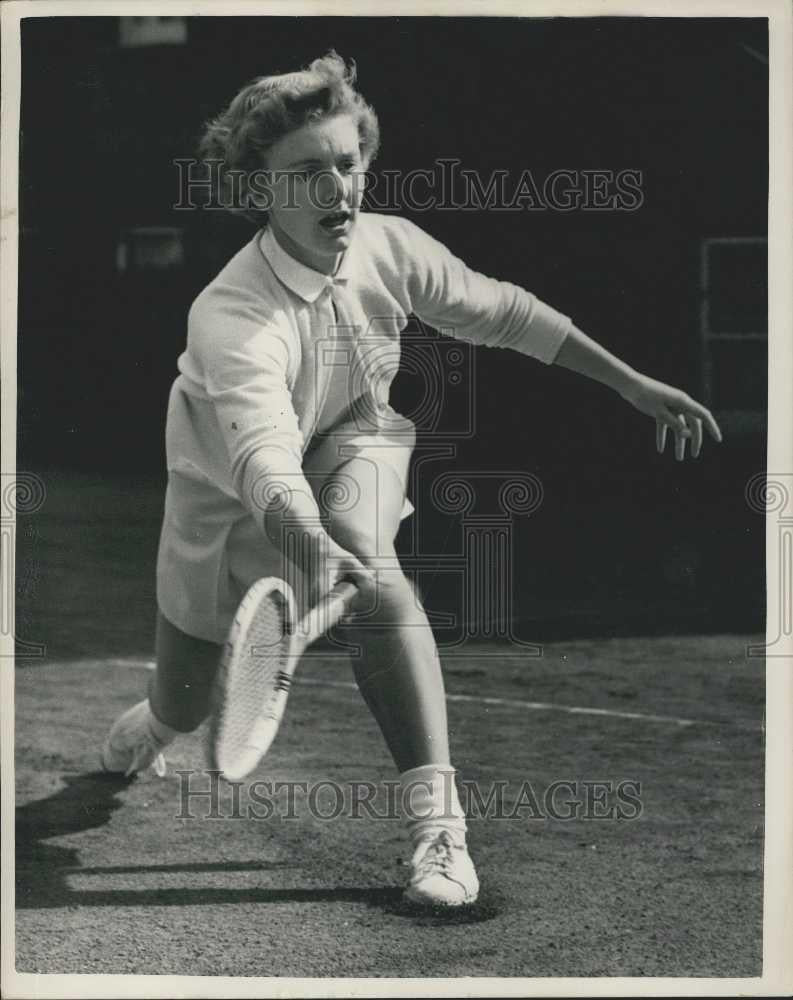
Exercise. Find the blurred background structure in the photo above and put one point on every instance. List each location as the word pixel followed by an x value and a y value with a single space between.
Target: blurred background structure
pixel 623 539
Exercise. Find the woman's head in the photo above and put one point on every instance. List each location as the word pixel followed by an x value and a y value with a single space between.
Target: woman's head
pixel 260 138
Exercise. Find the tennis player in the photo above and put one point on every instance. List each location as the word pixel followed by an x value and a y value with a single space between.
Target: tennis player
pixel 279 428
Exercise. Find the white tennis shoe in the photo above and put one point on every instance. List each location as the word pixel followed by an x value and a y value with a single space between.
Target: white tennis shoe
pixel 441 872
pixel 132 745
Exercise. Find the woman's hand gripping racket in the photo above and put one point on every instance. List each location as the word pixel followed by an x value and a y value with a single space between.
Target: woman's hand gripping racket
pixel 259 660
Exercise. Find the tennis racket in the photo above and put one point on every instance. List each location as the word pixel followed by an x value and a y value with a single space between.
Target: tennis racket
pixel 259 660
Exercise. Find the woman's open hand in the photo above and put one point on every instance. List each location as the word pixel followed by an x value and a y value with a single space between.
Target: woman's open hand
pixel 672 409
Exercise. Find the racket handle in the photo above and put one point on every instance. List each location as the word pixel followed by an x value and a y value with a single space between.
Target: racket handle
pixel 327 612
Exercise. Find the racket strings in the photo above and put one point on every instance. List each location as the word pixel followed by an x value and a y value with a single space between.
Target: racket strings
pixel 254 675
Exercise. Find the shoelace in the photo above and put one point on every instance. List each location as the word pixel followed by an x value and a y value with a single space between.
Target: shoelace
pixel 438 858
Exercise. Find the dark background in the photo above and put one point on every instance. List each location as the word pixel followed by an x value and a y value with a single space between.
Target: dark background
pixel 624 539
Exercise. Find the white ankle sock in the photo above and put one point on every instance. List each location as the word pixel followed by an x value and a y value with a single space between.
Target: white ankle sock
pixel 430 802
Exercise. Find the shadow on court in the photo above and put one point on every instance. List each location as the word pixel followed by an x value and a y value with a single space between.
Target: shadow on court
pixel 87 802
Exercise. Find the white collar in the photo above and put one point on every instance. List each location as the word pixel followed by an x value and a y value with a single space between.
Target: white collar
pixel 298 278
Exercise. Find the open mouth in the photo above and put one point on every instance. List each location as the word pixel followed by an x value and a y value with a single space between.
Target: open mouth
pixel 336 222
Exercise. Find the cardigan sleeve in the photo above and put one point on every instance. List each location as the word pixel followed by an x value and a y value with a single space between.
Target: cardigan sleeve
pixel 245 362
pixel 446 293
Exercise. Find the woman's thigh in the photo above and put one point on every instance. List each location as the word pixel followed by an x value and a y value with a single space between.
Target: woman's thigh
pixel 363 500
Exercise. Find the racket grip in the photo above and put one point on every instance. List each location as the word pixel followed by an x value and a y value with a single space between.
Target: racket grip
pixel 328 611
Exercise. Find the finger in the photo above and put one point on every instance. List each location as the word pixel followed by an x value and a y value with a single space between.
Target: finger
pixel 675 421
pixel 366 599
pixel 680 426
pixel 698 410
pixel 660 436
pixel 695 426
pixel 680 446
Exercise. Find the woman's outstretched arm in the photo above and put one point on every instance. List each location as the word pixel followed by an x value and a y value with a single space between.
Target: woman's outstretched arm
pixel 669 407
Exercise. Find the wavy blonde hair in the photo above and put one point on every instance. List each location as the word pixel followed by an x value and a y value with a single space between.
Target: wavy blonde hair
pixel 270 107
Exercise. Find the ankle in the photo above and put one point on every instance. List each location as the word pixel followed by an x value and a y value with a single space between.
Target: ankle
pixel 430 802
pixel 161 732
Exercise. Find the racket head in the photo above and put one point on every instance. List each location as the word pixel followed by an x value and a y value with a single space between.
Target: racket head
pixel 252 682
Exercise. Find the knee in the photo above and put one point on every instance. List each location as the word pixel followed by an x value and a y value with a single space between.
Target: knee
pixel 392 600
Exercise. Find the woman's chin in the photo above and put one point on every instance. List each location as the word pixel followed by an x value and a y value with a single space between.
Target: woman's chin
pixel 338 237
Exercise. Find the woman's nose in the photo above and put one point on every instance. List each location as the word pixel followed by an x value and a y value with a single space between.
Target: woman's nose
pixel 331 189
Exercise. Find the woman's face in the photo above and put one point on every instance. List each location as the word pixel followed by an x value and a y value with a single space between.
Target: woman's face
pixel 316 187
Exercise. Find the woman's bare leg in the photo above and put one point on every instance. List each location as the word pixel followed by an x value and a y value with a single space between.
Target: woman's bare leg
pixel 398 671
pixel 180 687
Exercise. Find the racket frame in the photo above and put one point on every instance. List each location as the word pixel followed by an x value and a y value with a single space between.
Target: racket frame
pixel 297 636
